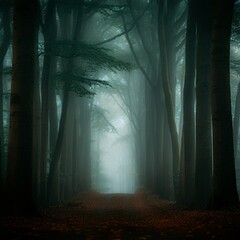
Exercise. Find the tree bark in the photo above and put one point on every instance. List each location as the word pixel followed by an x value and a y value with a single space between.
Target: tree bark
pixel 224 179
pixel 20 159
pixel 236 122
pixel 49 38
pixel 3 50
pixel 188 104
pixel 203 178
pixel 37 133
pixel 57 151
pixel 54 165
pixel 168 96
pixel 84 142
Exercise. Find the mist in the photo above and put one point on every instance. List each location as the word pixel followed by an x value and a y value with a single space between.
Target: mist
pixel 114 149
pixel 134 101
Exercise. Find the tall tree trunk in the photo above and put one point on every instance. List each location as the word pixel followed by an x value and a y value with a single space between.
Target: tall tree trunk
pixel 67 156
pixel 236 134
pixel 84 143
pixel 53 171
pixel 75 154
pixel 54 165
pixel 224 179
pixel 153 99
pixel 203 178
pixel 168 96
pixel 236 122
pixel 37 133
pixel 53 120
pixel 20 161
pixel 49 40
pixel 53 108
pixel 3 50
pixel 167 173
pixel 188 104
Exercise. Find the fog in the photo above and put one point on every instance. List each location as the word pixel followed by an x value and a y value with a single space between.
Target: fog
pixel 119 97
pixel 116 171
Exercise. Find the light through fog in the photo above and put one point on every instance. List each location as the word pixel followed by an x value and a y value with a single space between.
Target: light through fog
pixel 113 150
pixel 116 158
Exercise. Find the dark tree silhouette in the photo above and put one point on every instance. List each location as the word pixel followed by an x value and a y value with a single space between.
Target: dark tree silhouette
pixel 188 105
pixel 224 181
pixel 3 50
pixel 20 162
pixel 203 175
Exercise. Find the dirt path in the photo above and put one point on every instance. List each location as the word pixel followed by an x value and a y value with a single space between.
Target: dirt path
pixel 121 216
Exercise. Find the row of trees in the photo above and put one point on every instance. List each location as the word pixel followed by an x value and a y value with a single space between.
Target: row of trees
pixel 177 98
pixel 49 151
pixel 186 163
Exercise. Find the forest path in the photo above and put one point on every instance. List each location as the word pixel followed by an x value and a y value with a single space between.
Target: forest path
pixel 122 216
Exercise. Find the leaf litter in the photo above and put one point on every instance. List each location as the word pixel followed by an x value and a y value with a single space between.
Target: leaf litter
pixel 91 215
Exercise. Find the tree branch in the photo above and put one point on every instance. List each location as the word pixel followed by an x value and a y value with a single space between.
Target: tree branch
pixel 125 31
pixel 135 55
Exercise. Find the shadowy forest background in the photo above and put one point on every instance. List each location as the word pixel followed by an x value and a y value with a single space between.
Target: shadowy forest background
pixel 156 81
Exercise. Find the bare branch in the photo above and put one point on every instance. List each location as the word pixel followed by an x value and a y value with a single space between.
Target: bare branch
pixel 135 55
pixel 125 31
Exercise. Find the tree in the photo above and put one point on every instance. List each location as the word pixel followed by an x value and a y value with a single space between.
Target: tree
pixel 158 139
pixel 236 122
pixel 3 50
pixel 20 161
pixel 188 104
pixel 224 180
pixel 49 33
pixel 75 77
pixel 203 175
pixel 235 66
pixel 168 95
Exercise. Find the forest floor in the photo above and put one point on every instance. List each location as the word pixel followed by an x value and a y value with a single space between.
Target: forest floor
pixel 122 216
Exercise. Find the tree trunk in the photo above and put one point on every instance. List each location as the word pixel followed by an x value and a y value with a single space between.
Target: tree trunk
pixel 3 50
pixel 188 105
pixel 168 97
pixel 20 159
pixel 84 143
pixel 236 122
pixel 49 40
pixel 236 134
pixel 57 151
pixel 153 100
pixel 54 165
pixel 224 179
pixel 37 133
pixel 203 178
